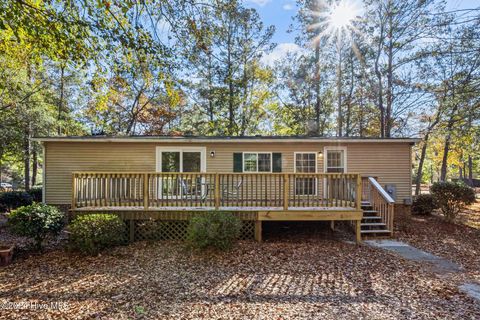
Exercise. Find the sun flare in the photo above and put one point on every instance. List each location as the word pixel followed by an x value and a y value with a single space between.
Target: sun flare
pixel 341 15
pixel 335 20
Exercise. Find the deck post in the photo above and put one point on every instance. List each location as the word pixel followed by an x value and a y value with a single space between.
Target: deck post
pixel 217 191
pixel 131 236
pixel 74 192
pixel 358 193
pixel 286 189
pixel 258 230
pixel 358 234
pixel 145 191
pixel 391 211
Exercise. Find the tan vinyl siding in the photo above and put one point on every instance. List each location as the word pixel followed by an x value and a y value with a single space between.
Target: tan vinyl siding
pixel 390 162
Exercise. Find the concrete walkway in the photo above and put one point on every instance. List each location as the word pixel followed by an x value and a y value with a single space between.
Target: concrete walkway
pixel 439 265
pixel 405 250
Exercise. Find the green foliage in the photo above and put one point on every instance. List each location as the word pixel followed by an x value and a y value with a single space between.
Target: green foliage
pixel 94 232
pixel 36 221
pixel 452 197
pixel 14 199
pixel 216 229
pixel 36 193
pixel 423 205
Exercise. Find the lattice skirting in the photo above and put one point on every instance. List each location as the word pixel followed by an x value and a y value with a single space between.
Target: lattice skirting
pixel 173 229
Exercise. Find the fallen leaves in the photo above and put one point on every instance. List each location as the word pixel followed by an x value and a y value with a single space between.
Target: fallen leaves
pixel 318 278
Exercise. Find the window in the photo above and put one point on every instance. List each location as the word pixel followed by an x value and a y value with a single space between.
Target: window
pixel 257 162
pixel 335 160
pixel 305 162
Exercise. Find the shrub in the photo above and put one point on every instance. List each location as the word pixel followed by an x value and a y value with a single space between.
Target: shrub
pixel 36 221
pixel 15 199
pixel 36 194
pixel 424 204
pixel 94 232
pixel 451 198
pixel 215 229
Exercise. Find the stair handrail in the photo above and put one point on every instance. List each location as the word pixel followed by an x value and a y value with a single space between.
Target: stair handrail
pixel 382 191
pixel 381 202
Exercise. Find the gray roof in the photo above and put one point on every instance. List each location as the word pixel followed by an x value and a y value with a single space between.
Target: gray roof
pixel 206 139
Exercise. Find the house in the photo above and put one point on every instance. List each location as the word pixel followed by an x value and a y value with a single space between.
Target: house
pixel 159 182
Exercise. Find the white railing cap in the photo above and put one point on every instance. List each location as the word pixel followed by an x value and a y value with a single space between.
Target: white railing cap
pixel 382 191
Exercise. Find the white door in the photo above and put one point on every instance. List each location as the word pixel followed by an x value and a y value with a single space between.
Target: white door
pixel 334 161
pixel 180 159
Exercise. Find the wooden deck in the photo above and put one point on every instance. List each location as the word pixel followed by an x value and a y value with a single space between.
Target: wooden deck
pixel 268 196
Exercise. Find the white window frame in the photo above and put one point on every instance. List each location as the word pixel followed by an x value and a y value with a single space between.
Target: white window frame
pixel 295 170
pixel 257 153
pixel 181 150
pixel 334 148
pixel 304 152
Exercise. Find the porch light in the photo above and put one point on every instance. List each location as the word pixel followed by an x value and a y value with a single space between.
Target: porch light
pixel 320 154
pixel 212 154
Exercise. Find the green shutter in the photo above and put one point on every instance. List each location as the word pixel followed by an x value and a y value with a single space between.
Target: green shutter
pixel 277 162
pixel 238 162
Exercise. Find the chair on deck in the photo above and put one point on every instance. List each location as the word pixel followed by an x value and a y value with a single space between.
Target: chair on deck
pixel 191 191
pixel 233 191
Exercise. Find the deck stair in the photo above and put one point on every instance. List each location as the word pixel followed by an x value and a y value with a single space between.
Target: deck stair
pixel 372 224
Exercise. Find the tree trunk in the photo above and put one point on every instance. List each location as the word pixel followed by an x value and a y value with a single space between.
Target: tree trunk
pixel 418 181
pixel 446 148
pixel 317 90
pixel 349 100
pixel 1 168
pixel 470 170
pixel 339 91
pixel 380 99
pixel 379 81
pixel 388 113
pixel 61 102
pixel 231 116
pixel 26 159
pixel 210 89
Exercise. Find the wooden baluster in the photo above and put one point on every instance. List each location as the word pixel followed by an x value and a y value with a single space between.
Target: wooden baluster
pixel 116 190
pixel 217 191
pixel 74 191
pixel 145 191
pixel 82 191
pixel 286 189
pixel 101 197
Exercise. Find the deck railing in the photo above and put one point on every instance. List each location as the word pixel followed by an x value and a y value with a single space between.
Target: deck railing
pixel 152 191
pixel 379 199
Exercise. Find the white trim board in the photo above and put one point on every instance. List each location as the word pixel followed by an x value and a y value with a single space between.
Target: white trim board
pixel 345 158
pixel 202 150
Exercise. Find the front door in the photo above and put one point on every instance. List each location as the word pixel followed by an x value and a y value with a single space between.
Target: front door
pixel 335 159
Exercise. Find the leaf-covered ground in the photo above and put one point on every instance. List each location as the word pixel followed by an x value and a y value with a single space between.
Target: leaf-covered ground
pixel 303 278
pixel 459 242
pixel 289 276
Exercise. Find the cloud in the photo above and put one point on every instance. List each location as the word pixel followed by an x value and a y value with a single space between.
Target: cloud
pixel 260 3
pixel 287 6
pixel 280 51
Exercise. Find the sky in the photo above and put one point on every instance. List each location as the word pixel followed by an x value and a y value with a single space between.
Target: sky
pixel 280 13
